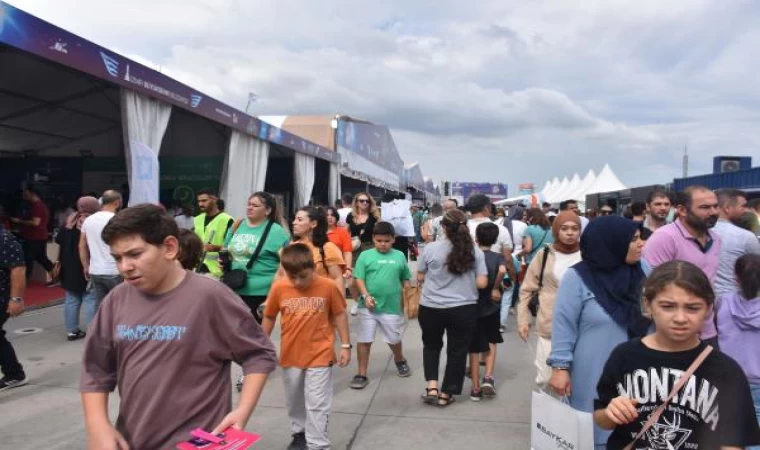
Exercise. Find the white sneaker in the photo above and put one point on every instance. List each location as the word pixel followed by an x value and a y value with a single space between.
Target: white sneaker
pixel 354 309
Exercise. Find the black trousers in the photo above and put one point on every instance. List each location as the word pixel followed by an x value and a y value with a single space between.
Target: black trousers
pixel 253 302
pixel 8 361
pixel 36 251
pixel 459 325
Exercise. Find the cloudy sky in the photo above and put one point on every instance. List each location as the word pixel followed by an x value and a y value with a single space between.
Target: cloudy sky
pixel 487 90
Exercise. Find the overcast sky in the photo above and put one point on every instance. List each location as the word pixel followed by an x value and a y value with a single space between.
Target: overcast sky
pixel 487 90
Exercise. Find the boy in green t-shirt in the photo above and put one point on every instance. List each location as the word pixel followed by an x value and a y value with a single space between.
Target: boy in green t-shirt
pixel 380 273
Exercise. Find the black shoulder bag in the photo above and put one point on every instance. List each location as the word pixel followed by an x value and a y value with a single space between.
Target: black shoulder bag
pixel 237 278
pixel 533 305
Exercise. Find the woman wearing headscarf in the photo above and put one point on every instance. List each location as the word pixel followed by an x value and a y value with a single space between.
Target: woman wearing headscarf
pixel 542 278
pixel 598 306
pixel 71 273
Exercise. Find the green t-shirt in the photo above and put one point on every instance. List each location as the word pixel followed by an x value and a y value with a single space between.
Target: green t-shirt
pixel 384 275
pixel 242 245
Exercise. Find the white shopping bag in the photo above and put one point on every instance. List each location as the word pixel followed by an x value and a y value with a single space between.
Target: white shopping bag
pixel 398 214
pixel 556 425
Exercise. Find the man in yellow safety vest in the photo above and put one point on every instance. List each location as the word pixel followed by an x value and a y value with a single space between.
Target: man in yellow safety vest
pixel 211 226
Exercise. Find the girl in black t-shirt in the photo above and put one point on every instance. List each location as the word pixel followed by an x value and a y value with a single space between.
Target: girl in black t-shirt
pixel 712 411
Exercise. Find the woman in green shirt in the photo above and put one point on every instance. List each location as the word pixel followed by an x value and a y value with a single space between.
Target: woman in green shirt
pixel 537 235
pixel 242 240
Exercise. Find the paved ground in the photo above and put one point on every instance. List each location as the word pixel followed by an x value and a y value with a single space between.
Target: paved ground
pixel 388 414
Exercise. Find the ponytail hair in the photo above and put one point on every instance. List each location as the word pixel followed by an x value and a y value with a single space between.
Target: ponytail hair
pixel 319 233
pixel 275 208
pixel 461 259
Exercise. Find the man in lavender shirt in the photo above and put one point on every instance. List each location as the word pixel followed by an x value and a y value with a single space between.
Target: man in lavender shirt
pixel 689 238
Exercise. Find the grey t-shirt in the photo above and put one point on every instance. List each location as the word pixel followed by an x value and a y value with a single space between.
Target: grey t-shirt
pixel 170 357
pixel 443 289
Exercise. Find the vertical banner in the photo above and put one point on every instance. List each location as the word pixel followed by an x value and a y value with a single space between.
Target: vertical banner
pixel 143 180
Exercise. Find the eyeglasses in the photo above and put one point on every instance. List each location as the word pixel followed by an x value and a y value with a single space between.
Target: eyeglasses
pixel 363 200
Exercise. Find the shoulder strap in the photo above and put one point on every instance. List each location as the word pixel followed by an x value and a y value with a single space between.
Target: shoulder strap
pixel 543 267
pixel 236 225
pixel 259 246
pixel 507 223
pixel 655 416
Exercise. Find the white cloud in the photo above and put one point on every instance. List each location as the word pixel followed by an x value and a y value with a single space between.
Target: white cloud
pixel 492 90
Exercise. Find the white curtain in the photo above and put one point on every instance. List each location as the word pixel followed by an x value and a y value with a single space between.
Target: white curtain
pixel 333 193
pixel 304 179
pixel 144 123
pixel 245 171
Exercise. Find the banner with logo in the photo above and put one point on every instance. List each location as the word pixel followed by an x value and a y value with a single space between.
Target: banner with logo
pixel 464 190
pixel 143 183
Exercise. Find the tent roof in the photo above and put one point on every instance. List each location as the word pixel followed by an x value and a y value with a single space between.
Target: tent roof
pixel 607 181
pixel 580 192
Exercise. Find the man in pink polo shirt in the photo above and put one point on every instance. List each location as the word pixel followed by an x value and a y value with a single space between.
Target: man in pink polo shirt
pixel 689 238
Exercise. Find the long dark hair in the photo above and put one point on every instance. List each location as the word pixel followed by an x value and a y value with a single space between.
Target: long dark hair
pixel 748 275
pixel 319 233
pixel 461 259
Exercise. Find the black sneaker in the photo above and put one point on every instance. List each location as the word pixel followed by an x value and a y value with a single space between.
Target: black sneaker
pixel 79 334
pixel 298 442
pixel 403 369
pixel 488 386
pixel 476 395
pixel 359 382
pixel 10 383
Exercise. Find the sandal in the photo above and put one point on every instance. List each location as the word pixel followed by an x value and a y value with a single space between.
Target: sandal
pixel 445 401
pixel 429 397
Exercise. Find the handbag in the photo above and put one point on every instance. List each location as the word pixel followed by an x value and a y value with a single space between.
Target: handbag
pixel 236 279
pixel 557 425
pixel 412 302
pixel 655 416
pixel 533 304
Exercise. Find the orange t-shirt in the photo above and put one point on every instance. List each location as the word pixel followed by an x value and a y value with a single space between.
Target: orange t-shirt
pixel 333 257
pixel 340 237
pixel 307 337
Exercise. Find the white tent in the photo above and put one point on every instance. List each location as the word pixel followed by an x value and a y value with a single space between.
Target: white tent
pixel 558 193
pixel 574 183
pixel 580 192
pixel 607 181
pixel 551 187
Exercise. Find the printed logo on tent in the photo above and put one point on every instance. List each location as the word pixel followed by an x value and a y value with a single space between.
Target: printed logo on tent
pixel 112 66
pixel 195 100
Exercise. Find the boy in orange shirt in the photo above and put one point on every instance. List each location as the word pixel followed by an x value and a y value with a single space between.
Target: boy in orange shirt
pixel 311 307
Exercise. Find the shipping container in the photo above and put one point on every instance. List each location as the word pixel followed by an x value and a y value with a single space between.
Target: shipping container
pixel 748 180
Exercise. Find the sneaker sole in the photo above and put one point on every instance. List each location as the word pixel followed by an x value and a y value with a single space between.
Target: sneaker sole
pixel 489 391
pixel 358 386
pixel 405 375
pixel 475 399
pixel 19 384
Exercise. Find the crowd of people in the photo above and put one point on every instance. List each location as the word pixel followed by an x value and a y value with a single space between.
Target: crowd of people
pixel 622 307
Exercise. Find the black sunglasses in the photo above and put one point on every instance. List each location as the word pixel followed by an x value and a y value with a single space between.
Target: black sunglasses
pixel 364 200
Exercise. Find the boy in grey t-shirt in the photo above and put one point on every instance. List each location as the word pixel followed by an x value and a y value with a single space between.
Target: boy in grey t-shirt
pixel 166 337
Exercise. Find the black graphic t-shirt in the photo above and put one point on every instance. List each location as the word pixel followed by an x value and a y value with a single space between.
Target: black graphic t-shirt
pixel 713 409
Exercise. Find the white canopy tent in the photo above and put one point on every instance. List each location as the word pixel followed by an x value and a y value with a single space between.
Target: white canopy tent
pixel 607 181
pixel 580 192
pixel 577 188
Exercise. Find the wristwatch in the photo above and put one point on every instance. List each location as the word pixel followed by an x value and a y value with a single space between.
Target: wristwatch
pixel 17 299
pixel 346 346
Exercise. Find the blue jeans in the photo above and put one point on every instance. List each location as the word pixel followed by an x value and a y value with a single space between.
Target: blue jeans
pixel 101 286
pixel 506 303
pixel 755 389
pixel 72 306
